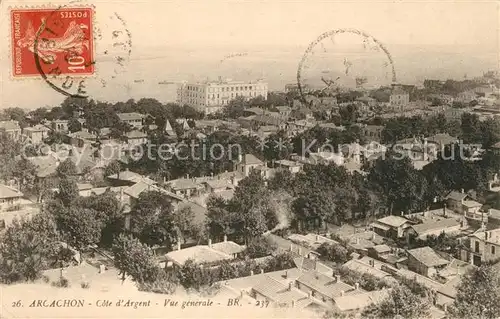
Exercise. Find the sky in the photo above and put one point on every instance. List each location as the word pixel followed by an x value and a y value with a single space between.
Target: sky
pixel 186 40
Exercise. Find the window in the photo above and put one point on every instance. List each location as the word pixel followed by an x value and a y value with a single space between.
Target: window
pixel 492 250
pixel 232 88
pixel 476 246
pixel 2 224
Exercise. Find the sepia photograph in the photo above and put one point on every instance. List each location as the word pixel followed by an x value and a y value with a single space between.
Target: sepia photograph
pixel 261 159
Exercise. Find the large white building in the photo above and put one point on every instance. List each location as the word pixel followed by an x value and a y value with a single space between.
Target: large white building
pixel 210 97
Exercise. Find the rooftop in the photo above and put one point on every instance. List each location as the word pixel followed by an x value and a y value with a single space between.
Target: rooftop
pixel 9 125
pixel 427 256
pixel 130 116
pixel 362 267
pixel 9 192
pixel 277 291
pixel 136 134
pixel 393 221
pixel 228 247
pixel 361 300
pixel 250 159
pixel 199 254
pixel 431 225
pixel 457 196
pixel 324 284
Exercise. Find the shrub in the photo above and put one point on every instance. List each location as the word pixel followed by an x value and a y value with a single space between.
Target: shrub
pixel 61 283
pixel 85 285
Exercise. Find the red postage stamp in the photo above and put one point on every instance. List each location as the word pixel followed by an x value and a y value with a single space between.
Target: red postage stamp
pixel 52 42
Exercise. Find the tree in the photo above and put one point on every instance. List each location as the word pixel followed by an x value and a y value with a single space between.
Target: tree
pixel 133 258
pixel 259 247
pixel 152 219
pixel 28 247
pixel 334 252
pixel 66 168
pixel 401 303
pixel 112 168
pixel 185 222
pixel 67 190
pixel 478 294
pixel 74 125
pixel 110 213
pixel 80 227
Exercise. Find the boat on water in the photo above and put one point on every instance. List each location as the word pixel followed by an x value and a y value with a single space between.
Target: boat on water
pixel 166 82
pixel 138 81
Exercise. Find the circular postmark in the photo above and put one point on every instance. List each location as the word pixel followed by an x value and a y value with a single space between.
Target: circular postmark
pixel 64 49
pixel 344 58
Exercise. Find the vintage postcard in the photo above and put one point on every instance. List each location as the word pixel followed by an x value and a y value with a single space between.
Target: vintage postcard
pixel 249 159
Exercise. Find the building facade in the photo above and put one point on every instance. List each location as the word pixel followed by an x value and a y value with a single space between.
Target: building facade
pixel 210 97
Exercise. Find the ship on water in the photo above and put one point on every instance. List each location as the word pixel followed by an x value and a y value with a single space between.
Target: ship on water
pixel 166 82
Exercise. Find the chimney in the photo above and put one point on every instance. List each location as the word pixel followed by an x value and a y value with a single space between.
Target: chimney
pixel 121 194
pixel 462 190
pixel 291 247
pixel 210 243
pixel 337 278
pixel 290 285
pixel 251 272
pixel 356 286
pixel 373 235
pixel 444 210
pixel 317 237
pixel 286 274
pixel 357 240
pixel 187 176
pixel 225 238
pixel 240 158
pixel 300 250
pixel 262 270
pixel 402 213
pixel 341 293
pixel 178 244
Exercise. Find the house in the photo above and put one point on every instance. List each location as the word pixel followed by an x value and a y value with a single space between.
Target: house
pixel 11 129
pixel 9 197
pixel 445 296
pixel 433 226
pixel 279 294
pixel 372 132
pixel 203 254
pixel 135 120
pixel 135 137
pixel 425 261
pixel 36 134
pixel 325 288
pixel 379 251
pixel 284 110
pixel 466 97
pixel 362 241
pixel 291 166
pixel 246 163
pixel 60 125
pixel 80 138
pixel 484 247
pixel 462 203
pixel 399 98
pixel 218 185
pixel 367 265
pixel 355 304
pixel 128 178
pixel 391 226
pixel 186 186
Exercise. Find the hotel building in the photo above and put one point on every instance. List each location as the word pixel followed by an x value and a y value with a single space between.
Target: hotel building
pixel 210 97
